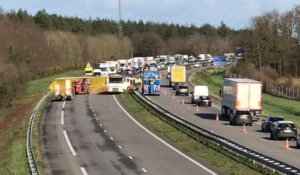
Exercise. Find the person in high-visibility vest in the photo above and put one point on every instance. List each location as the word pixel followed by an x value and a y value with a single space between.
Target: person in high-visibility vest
pixel 131 87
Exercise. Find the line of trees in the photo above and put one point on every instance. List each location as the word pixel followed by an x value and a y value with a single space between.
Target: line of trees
pixel 272 45
pixel 37 45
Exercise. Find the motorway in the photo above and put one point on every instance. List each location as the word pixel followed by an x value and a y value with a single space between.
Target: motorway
pixel 205 118
pixel 93 135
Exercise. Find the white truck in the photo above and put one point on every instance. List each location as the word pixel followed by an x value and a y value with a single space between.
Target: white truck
pixel 241 100
pixel 122 65
pixel 116 84
pixel 112 67
pixel 103 68
pixel 96 69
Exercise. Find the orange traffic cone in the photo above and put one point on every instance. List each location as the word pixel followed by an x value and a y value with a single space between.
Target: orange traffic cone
pixel 165 92
pixel 182 102
pixel 286 146
pixel 217 117
pixel 173 97
pixel 244 128
pixel 197 108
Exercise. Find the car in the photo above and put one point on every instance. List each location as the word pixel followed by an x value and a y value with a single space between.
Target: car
pixel 182 89
pixel 204 100
pixel 197 64
pixel 283 130
pixel 240 117
pixel 298 141
pixel 267 122
pixel 205 63
pixel 199 90
pixel 175 86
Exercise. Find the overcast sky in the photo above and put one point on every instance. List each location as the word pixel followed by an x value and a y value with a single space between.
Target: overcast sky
pixel 235 13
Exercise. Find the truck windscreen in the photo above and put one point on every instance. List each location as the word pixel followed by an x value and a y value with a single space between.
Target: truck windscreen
pixel 115 80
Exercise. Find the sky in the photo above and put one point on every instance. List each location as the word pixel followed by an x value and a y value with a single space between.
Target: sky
pixel 236 14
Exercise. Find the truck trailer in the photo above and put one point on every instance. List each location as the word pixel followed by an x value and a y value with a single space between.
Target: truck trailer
pixel 241 100
pixel 177 75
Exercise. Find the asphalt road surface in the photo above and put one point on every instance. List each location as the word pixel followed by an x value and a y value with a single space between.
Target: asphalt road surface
pixel 253 138
pixel 93 135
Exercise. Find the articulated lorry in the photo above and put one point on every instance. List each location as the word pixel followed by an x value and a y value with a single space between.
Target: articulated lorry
pixel 177 75
pixel 241 100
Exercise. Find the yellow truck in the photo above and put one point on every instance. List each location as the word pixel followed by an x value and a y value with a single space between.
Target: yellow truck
pixel 88 70
pixel 177 75
pixel 62 89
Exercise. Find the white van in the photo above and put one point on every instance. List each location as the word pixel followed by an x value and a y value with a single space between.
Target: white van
pixel 197 92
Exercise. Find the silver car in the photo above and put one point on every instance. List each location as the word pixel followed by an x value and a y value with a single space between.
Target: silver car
pixel 182 89
pixel 283 129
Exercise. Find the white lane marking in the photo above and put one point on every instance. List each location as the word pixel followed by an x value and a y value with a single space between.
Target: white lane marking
pixel 264 140
pixel 69 143
pixel 111 138
pixel 144 170
pixel 105 131
pixel 62 117
pixel 120 147
pixel 100 125
pixel 83 171
pixel 95 114
pixel 64 104
pixel 165 143
pixel 130 157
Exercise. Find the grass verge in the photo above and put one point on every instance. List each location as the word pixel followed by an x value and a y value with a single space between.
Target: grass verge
pixel 14 123
pixel 198 148
pixel 271 105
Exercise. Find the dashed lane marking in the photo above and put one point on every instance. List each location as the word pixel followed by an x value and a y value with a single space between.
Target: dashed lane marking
pixel 69 143
pixel 144 170
pixel 83 171
pixel 62 117
pixel 64 104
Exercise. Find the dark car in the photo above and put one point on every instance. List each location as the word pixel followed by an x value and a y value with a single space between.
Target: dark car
pixel 240 117
pixel 298 141
pixel 204 100
pixel 268 121
pixel 175 86
pixel 182 89
pixel 283 130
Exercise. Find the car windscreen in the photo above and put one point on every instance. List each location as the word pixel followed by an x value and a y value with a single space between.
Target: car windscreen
pixel 103 69
pixel 285 125
pixel 274 119
pixel 182 87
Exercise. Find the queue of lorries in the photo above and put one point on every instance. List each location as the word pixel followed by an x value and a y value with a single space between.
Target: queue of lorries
pixel 241 100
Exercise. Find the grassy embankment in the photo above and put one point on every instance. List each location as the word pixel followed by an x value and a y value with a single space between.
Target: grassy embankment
pixel 14 123
pixel 271 105
pixel 200 149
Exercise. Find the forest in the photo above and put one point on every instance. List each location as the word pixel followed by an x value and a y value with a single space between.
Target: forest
pixel 34 46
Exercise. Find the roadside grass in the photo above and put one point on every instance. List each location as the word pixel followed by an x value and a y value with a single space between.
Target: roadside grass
pixel 14 123
pixel 271 105
pixel 203 151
